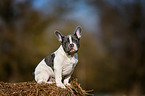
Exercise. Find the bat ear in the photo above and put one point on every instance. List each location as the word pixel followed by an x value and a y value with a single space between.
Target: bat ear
pixel 78 32
pixel 59 36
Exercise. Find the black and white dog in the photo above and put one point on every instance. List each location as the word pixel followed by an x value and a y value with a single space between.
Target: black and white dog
pixel 60 64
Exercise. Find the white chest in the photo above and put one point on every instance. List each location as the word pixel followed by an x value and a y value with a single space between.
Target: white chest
pixel 68 65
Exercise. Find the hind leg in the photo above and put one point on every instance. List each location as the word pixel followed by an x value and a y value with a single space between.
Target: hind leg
pixel 41 77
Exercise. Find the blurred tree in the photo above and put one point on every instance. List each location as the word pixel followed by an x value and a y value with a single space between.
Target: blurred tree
pixel 123 34
pixel 18 21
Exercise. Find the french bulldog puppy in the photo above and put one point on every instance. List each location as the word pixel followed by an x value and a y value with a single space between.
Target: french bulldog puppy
pixel 61 63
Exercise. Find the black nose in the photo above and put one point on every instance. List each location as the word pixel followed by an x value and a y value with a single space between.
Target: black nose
pixel 71 45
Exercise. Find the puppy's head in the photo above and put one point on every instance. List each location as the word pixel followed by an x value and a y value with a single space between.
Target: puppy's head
pixel 70 43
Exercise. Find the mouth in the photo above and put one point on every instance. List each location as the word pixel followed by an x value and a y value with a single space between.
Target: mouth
pixel 72 53
pixel 72 50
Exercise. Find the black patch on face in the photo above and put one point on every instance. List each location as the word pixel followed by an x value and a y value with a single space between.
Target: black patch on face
pixel 66 43
pixel 49 60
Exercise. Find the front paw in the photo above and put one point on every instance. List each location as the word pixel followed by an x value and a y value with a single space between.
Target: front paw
pixel 60 85
pixel 67 84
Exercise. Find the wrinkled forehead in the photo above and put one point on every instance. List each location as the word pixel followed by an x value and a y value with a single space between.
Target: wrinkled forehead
pixel 70 38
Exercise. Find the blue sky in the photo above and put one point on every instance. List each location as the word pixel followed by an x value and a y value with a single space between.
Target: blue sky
pixel 82 12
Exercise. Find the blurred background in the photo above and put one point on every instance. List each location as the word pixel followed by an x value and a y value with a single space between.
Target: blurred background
pixel 112 52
